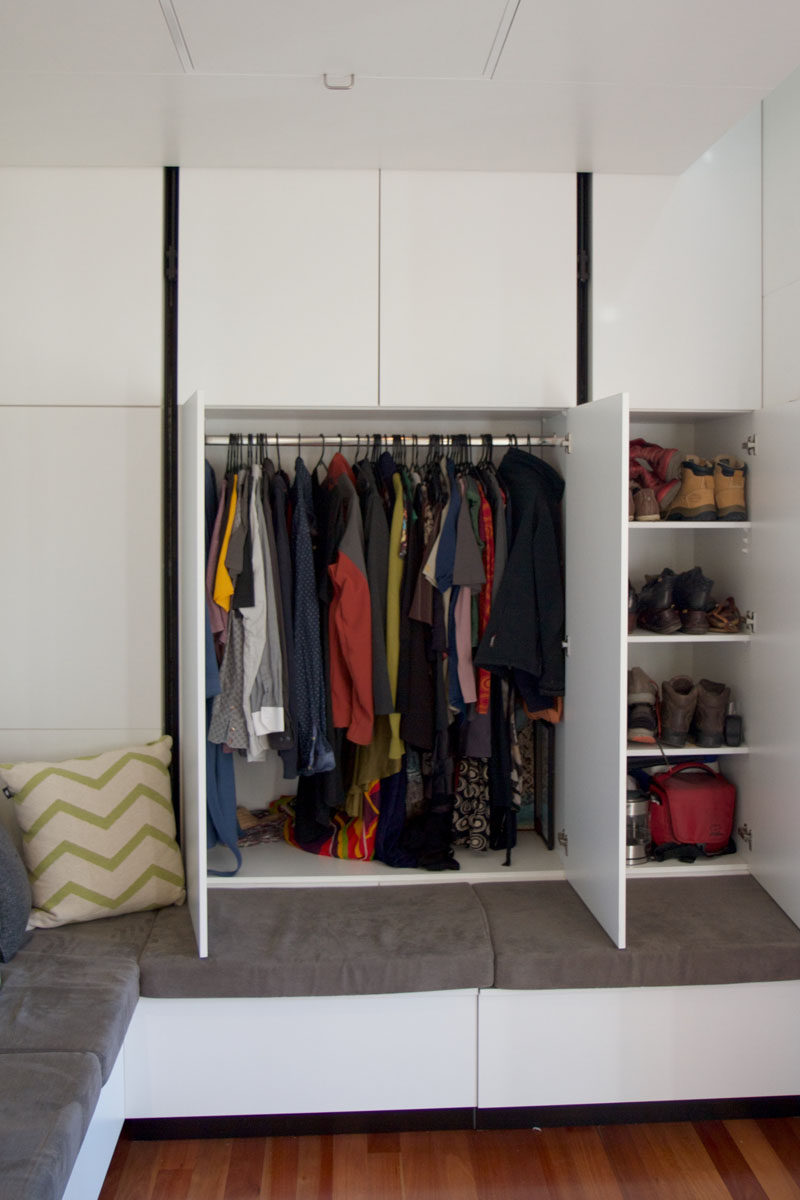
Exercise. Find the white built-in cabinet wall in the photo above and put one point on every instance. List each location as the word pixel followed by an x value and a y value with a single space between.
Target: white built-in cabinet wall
pixel 80 459
pixel 351 289
pixel 676 281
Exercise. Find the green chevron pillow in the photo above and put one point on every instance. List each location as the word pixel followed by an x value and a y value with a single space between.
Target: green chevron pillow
pixel 98 833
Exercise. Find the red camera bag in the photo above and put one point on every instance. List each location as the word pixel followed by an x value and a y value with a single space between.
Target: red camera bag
pixel 691 810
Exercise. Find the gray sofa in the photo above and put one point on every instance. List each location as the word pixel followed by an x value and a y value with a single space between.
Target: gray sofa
pixel 68 995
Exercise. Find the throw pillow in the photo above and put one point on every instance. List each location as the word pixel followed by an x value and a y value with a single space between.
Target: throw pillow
pixel 98 833
pixel 15 898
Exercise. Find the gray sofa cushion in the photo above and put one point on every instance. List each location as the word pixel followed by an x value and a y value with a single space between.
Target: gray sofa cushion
pixel 46 1103
pixel 15 898
pixel 54 1003
pixel 323 942
pixel 115 937
pixel 720 929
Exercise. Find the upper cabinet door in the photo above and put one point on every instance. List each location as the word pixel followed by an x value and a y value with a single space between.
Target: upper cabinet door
pixel 477 290
pixel 82 283
pixel 676 280
pixel 279 287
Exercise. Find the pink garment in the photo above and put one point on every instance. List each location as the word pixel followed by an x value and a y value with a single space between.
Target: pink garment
pixel 463 623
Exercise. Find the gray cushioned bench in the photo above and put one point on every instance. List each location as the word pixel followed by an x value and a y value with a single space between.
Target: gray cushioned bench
pixel 709 930
pixel 338 941
pixel 68 995
pixel 66 1000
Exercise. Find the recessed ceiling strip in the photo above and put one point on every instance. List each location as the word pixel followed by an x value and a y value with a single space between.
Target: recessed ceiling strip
pixel 176 33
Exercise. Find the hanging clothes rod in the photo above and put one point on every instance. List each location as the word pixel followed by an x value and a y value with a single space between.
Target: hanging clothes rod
pixel 337 440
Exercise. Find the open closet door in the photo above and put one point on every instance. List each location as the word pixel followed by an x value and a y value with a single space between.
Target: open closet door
pixel 593 767
pixel 769 804
pixel 191 650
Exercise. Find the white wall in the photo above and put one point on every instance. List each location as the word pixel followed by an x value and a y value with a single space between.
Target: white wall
pixel 676 281
pixel 782 243
pixel 80 459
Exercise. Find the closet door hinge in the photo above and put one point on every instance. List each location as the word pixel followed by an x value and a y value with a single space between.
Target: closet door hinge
pixel 563 840
pixel 750 621
pixel 750 444
pixel 565 646
pixel 746 834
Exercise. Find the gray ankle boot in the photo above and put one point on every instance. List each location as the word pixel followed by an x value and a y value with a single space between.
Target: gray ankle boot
pixel 678 700
pixel 709 715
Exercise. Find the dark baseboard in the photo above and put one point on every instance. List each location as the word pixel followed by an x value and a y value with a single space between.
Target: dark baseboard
pixel 727 1109
pixel 299 1124
pixel 433 1119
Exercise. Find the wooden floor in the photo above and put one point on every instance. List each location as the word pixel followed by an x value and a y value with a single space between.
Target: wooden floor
pixel 711 1160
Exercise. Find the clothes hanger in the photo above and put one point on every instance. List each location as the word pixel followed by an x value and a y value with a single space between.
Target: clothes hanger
pixel 321 459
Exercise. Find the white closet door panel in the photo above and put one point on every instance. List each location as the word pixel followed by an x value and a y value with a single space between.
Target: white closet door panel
pixel 192 667
pixel 221 1057
pixel 782 345
pixel 80 542
pixel 676 280
pixel 477 290
pixel 279 287
pixel 781 109
pixel 773 765
pixel 590 1046
pixel 593 767
pixel 80 294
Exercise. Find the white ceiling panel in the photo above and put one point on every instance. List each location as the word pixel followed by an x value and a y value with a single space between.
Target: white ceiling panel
pixel 412 38
pixel 681 43
pixel 85 35
pixel 251 121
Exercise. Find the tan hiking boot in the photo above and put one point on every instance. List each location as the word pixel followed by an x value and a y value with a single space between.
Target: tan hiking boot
pixel 695 498
pixel 729 488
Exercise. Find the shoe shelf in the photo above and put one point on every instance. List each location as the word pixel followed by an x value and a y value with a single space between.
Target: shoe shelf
pixel 642 637
pixel 686 526
pixel 642 750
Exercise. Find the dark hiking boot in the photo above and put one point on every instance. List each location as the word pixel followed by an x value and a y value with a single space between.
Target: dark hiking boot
pixel 692 595
pixel 678 702
pixel 655 611
pixel 729 476
pixel 695 499
pixel 642 707
pixel 708 728
pixel 632 602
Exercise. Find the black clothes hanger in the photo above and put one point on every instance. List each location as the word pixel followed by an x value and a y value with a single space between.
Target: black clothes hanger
pixel 321 459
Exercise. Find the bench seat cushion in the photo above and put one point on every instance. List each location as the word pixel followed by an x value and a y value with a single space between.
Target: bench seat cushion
pixel 335 941
pixel 122 937
pixel 49 1003
pixel 707 930
pixel 46 1104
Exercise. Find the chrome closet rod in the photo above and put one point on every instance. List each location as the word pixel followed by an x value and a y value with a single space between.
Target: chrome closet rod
pixel 334 440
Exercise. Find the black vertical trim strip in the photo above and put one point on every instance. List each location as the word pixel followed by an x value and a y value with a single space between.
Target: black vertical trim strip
pixel 170 471
pixel 584 275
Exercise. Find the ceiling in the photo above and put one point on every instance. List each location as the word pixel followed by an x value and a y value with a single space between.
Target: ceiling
pixel 545 85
